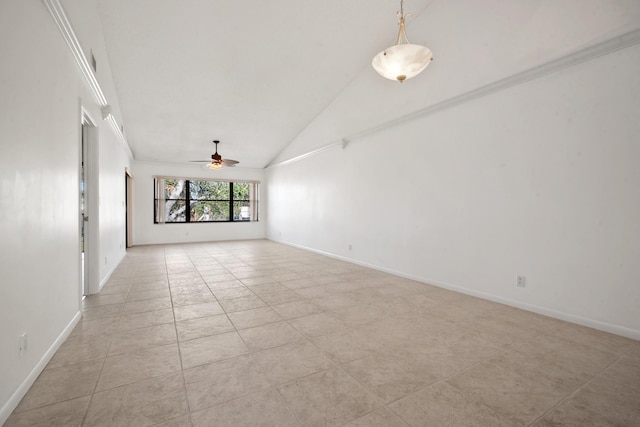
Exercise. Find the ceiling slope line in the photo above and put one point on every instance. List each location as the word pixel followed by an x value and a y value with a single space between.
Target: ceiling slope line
pixel 62 22
pixel 342 144
pixel 589 53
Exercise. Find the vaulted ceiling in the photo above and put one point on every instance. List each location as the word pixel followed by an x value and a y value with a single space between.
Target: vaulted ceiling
pixel 252 74
pixel 255 74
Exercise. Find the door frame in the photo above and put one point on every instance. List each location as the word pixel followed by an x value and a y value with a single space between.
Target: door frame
pixel 90 271
pixel 128 188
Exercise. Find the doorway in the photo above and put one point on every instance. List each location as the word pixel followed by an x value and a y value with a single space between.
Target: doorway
pixel 128 189
pixel 88 197
pixel 84 215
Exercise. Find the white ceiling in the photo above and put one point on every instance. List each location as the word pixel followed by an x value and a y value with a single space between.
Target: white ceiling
pixel 250 73
pixel 258 75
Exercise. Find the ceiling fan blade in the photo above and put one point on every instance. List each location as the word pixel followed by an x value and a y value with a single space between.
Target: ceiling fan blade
pixel 200 161
pixel 230 162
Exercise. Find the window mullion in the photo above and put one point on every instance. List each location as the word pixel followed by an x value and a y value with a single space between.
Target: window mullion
pixel 187 202
pixel 231 201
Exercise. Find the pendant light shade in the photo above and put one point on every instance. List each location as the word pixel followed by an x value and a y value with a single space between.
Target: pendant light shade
pixel 403 60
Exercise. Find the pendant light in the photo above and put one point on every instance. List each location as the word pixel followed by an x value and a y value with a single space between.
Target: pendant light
pixel 403 60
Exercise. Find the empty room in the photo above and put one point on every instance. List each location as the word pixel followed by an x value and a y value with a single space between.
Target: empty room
pixel 320 213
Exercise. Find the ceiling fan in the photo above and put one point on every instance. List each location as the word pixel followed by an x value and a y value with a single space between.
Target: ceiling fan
pixel 217 162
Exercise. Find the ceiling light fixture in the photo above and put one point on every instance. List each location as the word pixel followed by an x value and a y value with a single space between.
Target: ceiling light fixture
pixel 215 165
pixel 403 60
pixel 217 162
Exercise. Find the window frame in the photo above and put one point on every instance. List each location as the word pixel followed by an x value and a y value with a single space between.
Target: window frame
pixel 159 200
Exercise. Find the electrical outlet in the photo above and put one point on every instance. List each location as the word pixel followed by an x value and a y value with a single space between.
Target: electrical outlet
pixel 521 281
pixel 23 344
pixel 349 247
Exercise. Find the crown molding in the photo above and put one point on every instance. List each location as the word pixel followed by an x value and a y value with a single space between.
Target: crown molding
pixel 62 22
pixel 341 144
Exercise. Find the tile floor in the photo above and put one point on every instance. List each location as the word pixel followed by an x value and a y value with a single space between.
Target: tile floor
pixel 257 333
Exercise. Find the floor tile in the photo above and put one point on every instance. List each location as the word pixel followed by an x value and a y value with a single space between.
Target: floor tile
pixel 138 366
pixel 210 384
pixel 625 371
pixel 142 320
pixel 602 402
pixel 69 413
pixel 101 312
pixel 271 335
pixel 189 280
pixel 255 317
pixel 203 326
pixel 142 295
pixel 305 282
pixel 390 377
pixel 494 384
pixel 115 288
pixel 379 418
pixel 81 348
pixel 146 305
pixel 144 403
pixel 256 280
pixel 328 398
pixel 595 339
pixel 291 361
pixel 264 408
pixel 142 338
pixel 562 366
pixel 270 286
pixel 216 277
pixel 318 324
pixel 192 298
pixel 280 297
pixel 242 303
pixel 292 310
pixel 98 327
pixel 359 314
pixel 334 302
pixel 230 293
pixel 210 349
pixel 442 405
pixel 227 284
pixel 103 299
pixel 186 312
pixel 344 346
pixel 395 331
pixel 184 421
pixel 59 384
pixel 158 285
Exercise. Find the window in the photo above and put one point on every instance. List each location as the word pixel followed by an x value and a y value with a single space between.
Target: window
pixel 179 200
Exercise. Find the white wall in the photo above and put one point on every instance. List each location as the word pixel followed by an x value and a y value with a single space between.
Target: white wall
pixel 112 211
pixel 42 96
pixel 540 179
pixel 145 232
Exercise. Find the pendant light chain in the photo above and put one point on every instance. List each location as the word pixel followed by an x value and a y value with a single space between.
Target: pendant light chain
pixel 402 34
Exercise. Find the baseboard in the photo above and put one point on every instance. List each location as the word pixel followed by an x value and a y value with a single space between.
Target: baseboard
pixel 569 317
pixel 15 399
pixel 106 278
